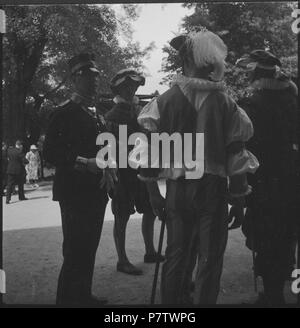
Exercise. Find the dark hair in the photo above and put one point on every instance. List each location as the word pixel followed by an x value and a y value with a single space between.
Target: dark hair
pixel 259 73
pixel 185 54
pixel 116 89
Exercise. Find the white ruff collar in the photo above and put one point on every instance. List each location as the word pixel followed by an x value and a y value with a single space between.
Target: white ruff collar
pixel 185 82
pixel 118 100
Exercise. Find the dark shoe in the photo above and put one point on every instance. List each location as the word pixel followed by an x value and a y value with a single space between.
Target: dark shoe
pixel 187 300
pixel 192 286
pixel 129 269
pixel 96 301
pixel 90 301
pixel 261 301
pixel 23 198
pixel 152 258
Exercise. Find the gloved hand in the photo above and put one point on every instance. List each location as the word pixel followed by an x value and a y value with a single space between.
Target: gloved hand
pixel 157 202
pixel 92 166
pixel 109 179
pixel 81 164
pixel 236 213
pixel 86 165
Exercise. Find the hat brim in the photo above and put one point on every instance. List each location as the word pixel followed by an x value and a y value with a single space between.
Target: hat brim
pixel 94 69
pixel 178 42
pixel 140 80
pixel 252 60
pixel 89 65
pixel 245 62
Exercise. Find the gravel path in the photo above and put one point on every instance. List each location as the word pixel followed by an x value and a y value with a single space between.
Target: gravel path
pixel 32 241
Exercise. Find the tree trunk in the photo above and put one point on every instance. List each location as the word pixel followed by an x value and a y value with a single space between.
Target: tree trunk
pixel 15 91
pixel 14 115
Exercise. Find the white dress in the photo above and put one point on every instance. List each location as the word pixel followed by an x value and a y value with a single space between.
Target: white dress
pixel 33 166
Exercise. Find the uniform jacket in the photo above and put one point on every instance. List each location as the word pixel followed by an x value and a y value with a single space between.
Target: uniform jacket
pixel 72 132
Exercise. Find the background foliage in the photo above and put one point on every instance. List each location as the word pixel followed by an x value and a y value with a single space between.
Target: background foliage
pixel 40 39
pixel 36 47
pixel 243 27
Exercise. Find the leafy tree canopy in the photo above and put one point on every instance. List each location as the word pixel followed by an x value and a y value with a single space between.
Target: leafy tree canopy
pixel 243 27
pixel 40 40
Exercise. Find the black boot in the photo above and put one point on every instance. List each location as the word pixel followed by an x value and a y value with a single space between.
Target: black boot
pixel 273 290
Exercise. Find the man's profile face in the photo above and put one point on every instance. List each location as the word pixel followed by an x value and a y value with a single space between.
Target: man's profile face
pixel 86 82
pixel 128 89
pixel 250 75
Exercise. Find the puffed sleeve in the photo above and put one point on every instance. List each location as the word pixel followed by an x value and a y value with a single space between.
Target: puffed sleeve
pixel 239 130
pixel 240 161
pixel 141 157
pixel 239 127
pixel 149 117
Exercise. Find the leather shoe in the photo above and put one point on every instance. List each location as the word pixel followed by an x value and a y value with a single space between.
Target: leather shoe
pixel 153 258
pixel 96 301
pixel 129 269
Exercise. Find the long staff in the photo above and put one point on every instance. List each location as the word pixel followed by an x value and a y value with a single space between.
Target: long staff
pixel 160 244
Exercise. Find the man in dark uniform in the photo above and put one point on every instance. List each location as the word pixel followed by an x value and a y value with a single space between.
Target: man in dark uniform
pixel 15 171
pixel 270 222
pixel 70 145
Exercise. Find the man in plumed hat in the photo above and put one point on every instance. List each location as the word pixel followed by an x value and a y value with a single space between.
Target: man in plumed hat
pixel 130 194
pixel 196 208
pixel 270 222
pixel 79 185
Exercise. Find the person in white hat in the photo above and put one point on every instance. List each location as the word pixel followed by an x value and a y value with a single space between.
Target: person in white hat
pixel 33 166
pixel 196 209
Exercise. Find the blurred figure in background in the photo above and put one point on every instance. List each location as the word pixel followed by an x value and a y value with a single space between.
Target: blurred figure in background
pixel 4 166
pixel 33 166
pixel 16 170
pixel 40 145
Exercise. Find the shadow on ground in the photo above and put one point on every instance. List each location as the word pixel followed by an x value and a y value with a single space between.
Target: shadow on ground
pixel 32 260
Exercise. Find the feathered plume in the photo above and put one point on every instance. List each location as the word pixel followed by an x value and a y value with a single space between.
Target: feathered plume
pixel 208 48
